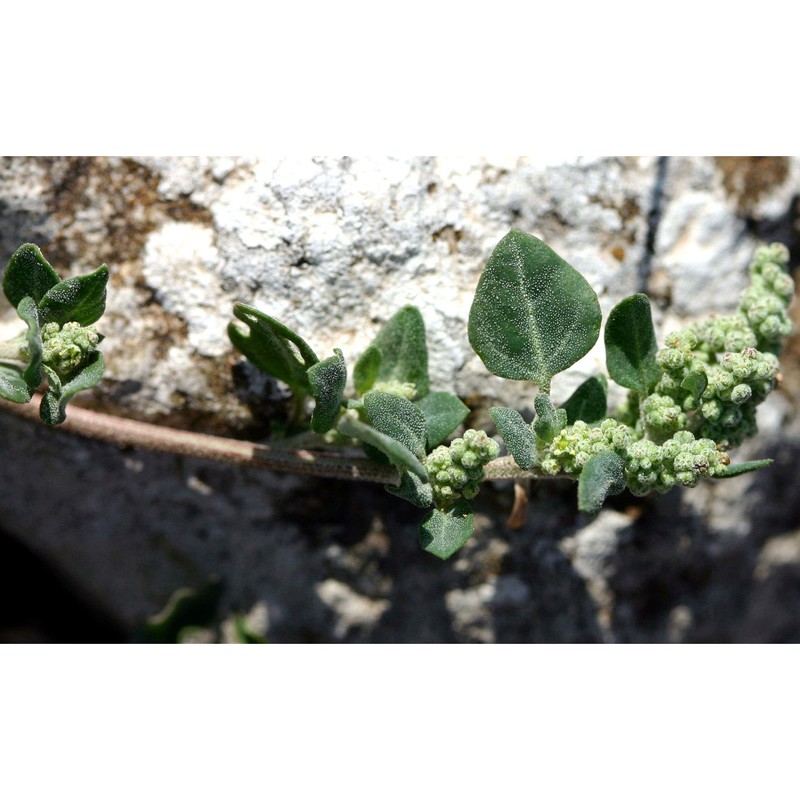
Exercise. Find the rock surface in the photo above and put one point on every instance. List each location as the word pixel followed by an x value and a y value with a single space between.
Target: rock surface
pixel 332 247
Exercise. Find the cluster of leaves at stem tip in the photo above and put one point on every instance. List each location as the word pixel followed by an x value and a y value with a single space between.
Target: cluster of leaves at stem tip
pixel 59 342
pixel 533 316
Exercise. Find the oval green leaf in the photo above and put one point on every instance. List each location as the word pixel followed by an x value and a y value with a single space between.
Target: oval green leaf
pixel 517 435
pixel 398 454
pixel 79 299
pixel 397 417
pixel 443 413
pixel 13 386
pixel 445 532
pixel 533 314
pixel 365 372
pixel 28 275
pixel 631 345
pixel 403 354
pixel 602 475
pixel 588 402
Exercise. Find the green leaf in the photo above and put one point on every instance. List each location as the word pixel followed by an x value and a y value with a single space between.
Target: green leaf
pixel 602 475
pixel 365 372
pixel 327 379
pixel 13 386
pixel 399 454
pixel 28 313
pixel 28 275
pixel 79 299
pixel 695 383
pixel 403 352
pixel 445 532
pixel 443 413
pixel 746 466
pixel 411 488
pixel 588 402
pixel 517 435
pixel 55 399
pixel 549 421
pixel 533 314
pixel 631 345
pixel 266 347
pixel 397 417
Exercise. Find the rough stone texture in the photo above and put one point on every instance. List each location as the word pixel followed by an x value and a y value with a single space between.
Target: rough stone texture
pixel 333 246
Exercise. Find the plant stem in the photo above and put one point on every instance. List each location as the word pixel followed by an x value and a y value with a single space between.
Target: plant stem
pixel 131 433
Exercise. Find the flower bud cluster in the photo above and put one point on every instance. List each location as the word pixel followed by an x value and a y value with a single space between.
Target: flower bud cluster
pixel 456 471
pixel 65 348
pixel 576 444
pixel 766 300
pixel 681 460
pixel 714 374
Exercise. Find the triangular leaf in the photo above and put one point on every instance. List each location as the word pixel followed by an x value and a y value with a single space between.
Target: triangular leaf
pixel 397 417
pixel 533 314
pixel 445 532
pixel 602 475
pixel 28 275
pixel 517 435
pixel 588 402
pixel 79 299
pixel 365 372
pixel 631 345
pixel 746 466
pixel 403 352
pixel 327 379
pixel 55 399
pixel 549 421
pixel 411 488
pixel 398 454
pixel 443 413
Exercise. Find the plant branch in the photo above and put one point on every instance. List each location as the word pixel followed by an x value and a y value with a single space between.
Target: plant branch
pixel 124 432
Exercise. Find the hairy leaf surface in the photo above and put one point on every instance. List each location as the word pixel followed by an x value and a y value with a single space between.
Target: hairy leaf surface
pixel 327 379
pixel 602 475
pixel 414 490
pixel 397 417
pixel 746 466
pixel 403 353
pixel 517 434
pixel 631 345
pixel 28 275
pixel 79 299
pixel 443 413
pixel 588 402
pixel 533 314
pixel 397 453
pixel 445 532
